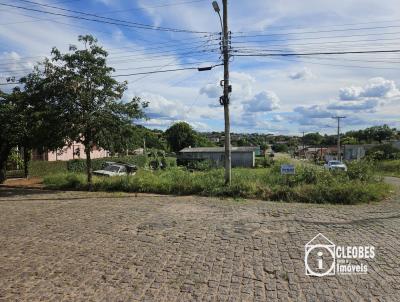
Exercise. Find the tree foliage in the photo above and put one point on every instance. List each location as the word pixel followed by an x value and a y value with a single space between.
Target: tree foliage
pixel 88 99
pixel 180 135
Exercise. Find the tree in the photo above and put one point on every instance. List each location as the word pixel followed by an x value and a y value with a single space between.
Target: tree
pixel 381 133
pixel 89 100
pixel 27 121
pixel 313 139
pixel 9 128
pixel 280 148
pixel 180 135
pixel 202 141
pixel 349 140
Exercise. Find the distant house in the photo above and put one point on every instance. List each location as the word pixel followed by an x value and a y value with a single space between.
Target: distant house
pixel 75 151
pixel 241 156
pixel 321 153
pixel 357 152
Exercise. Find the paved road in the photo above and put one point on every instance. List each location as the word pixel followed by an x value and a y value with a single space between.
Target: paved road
pixel 99 247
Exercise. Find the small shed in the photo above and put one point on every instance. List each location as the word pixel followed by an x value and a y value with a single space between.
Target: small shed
pixel 241 156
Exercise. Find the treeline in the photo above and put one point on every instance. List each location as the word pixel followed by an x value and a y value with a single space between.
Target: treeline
pixel 375 134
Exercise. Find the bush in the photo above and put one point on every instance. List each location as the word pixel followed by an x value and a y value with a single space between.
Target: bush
pixel 383 152
pixel 280 148
pixel 201 165
pixel 65 181
pixel 264 162
pixel 41 168
pixel 361 170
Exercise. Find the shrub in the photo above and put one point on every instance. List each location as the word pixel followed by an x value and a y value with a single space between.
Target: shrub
pixel 361 170
pixel 263 162
pixel 382 152
pixel 41 168
pixel 65 181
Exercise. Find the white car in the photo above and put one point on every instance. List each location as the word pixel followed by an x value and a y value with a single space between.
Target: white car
pixel 114 169
pixel 335 165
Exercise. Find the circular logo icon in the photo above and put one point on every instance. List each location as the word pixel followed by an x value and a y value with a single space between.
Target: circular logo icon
pixel 320 260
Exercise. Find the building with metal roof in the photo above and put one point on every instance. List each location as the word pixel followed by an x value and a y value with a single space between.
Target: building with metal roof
pixel 241 156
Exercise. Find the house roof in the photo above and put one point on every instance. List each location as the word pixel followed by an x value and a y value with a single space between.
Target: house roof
pixel 217 149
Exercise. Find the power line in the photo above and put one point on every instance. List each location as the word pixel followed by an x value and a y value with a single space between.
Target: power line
pixel 123 69
pixel 314 38
pixel 318 31
pixel 316 53
pixel 326 42
pixel 130 49
pixel 160 71
pixel 155 6
pixel 112 21
pixel 320 26
pixel 140 73
pixel 106 18
pixel 328 64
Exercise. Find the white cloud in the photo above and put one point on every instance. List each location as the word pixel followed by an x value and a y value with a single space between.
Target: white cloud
pixel 350 93
pixel 211 90
pixel 303 74
pixel 278 118
pixel 355 106
pixel 263 102
pixel 161 108
pixel 376 88
pixel 311 112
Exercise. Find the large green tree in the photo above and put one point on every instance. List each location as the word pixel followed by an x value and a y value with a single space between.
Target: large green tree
pixel 180 135
pixel 312 139
pixel 89 99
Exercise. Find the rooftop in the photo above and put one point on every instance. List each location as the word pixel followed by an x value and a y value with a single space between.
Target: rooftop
pixel 217 149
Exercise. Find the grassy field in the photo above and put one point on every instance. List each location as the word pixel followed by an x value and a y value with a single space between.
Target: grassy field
pixel 310 184
pixel 388 168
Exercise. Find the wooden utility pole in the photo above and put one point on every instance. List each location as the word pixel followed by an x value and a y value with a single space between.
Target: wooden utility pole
pixel 338 118
pixel 225 98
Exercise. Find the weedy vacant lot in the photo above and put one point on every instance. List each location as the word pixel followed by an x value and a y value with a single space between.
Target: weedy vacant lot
pixel 310 184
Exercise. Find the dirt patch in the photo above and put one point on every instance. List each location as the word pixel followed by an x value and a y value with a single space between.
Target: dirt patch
pixel 31 182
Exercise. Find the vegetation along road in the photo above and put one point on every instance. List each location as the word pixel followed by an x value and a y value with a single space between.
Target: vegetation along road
pixel 83 246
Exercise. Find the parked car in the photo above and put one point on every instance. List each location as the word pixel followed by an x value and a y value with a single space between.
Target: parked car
pixel 335 165
pixel 116 169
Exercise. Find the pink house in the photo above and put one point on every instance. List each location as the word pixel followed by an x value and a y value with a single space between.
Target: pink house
pixel 75 151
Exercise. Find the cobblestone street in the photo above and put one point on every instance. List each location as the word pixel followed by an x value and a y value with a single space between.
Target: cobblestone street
pixel 77 246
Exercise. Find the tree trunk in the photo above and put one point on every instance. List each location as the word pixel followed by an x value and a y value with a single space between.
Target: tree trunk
pixel 89 169
pixel 2 170
pixel 4 153
pixel 26 162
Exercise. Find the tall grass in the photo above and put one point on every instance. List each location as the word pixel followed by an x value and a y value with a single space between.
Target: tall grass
pixel 388 167
pixel 310 184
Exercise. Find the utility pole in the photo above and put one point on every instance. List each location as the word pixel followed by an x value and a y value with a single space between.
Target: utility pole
pixel 224 100
pixel 338 118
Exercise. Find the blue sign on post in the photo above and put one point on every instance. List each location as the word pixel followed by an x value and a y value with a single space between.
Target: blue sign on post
pixel 288 169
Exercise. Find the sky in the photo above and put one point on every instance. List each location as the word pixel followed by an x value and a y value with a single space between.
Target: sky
pixel 270 94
